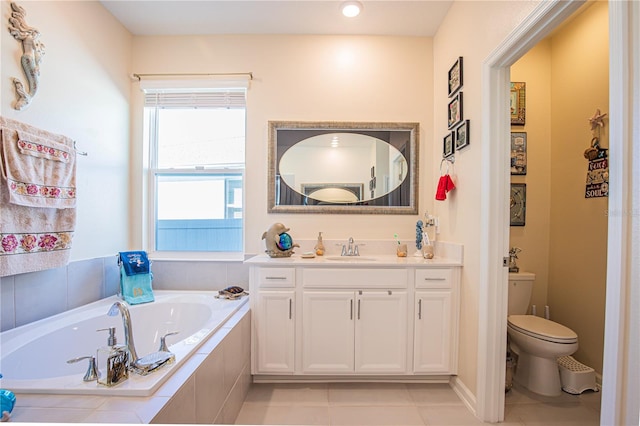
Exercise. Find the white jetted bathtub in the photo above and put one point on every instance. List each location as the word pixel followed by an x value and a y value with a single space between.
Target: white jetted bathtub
pixel 34 356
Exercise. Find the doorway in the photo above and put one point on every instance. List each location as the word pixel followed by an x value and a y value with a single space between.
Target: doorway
pixel 561 231
pixel 619 330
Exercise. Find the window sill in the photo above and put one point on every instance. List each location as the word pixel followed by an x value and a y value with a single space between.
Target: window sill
pixel 198 256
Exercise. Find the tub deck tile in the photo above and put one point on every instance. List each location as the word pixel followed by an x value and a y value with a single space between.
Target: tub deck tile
pixel 59 401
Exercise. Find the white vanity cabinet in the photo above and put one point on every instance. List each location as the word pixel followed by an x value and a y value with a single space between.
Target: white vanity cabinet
pixel 274 320
pixel 328 332
pixel 435 321
pixel 381 332
pixel 363 331
pixel 323 318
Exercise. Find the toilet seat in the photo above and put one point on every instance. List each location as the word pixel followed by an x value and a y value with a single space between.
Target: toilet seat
pixel 543 329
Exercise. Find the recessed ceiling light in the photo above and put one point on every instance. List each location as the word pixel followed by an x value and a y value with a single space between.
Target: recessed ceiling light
pixel 351 9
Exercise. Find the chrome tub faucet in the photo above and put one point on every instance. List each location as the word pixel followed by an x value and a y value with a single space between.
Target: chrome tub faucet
pixel 148 363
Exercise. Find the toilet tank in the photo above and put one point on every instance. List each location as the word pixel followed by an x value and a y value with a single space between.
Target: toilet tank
pixel 520 286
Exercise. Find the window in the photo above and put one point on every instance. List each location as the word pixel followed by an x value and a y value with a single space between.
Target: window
pixel 196 144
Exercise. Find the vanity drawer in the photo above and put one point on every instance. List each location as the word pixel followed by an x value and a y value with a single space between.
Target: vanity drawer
pixel 434 278
pixel 354 278
pixel 277 277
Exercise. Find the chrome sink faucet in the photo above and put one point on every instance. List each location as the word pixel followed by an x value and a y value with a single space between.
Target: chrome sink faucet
pixel 351 249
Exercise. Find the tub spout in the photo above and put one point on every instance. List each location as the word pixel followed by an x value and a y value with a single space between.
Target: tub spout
pixel 148 363
pixel 121 308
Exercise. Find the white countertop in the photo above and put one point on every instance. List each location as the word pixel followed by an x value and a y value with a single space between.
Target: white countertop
pixel 367 261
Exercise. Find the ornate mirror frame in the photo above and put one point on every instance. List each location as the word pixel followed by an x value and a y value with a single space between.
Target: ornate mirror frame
pixel 409 187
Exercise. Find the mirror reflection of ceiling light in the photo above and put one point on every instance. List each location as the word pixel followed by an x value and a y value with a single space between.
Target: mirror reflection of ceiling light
pixel 334 142
pixel 351 9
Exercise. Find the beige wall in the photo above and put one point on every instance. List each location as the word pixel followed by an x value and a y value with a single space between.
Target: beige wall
pixel 535 70
pixel 317 78
pixel 578 246
pixel 473 30
pixel 564 240
pixel 84 94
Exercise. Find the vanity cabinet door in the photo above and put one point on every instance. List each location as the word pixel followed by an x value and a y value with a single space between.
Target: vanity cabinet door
pixel 381 332
pixel 327 332
pixel 361 332
pixel 434 332
pixel 274 336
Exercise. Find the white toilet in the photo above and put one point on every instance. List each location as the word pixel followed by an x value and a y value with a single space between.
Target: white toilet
pixel 538 342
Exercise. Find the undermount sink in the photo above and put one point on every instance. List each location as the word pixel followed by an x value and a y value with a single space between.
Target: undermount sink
pixel 351 258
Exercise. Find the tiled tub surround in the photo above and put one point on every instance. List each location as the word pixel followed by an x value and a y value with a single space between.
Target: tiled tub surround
pixel 209 388
pixel 25 298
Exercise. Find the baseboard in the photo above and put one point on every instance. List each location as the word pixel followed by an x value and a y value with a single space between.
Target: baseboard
pixel 466 396
pixel 309 378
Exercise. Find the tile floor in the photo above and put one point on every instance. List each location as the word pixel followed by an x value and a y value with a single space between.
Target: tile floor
pixel 402 404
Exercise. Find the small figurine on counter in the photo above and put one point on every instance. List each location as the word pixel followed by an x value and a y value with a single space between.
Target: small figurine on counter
pixel 278 242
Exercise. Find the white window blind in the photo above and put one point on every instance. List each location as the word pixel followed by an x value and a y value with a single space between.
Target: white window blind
pixel 212 92
pixel 223 99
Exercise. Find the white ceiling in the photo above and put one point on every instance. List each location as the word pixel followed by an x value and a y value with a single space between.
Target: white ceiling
pixel 185 17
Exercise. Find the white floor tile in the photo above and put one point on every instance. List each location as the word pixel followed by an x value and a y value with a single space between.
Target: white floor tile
pixel 306 394
pixel 255 414
pixel 554 414
pixel 354 394
pixel 432 394
pixel 368 415
pixel 403 404
pixel 445 415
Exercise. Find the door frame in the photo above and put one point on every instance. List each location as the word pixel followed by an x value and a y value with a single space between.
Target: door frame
pixel 621 334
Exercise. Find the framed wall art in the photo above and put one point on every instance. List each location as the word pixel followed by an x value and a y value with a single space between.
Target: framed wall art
pixel 454 112
pixel 517 103
pixel 518 204
pixel 518 153
pixel 454 77
pixel 461 135
pixel 448 145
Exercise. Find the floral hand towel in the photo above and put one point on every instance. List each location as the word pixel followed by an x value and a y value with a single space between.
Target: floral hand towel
pixel 32 238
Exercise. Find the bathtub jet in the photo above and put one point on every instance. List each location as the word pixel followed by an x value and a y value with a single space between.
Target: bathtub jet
pixel 148 363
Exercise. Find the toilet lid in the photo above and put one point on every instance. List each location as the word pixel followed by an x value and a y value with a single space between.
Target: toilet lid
pixel 542 328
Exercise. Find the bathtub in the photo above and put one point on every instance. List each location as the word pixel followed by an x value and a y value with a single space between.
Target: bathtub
pixel 33 357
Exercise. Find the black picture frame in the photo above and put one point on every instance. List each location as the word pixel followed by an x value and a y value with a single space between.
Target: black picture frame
pixel 454 77
pixel 461 135
pixel 454 111
pixel 518 153
pixel 518 204
pixel 448 145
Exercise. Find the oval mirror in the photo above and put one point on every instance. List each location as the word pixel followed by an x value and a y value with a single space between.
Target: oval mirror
pixel 339 168
pixel 343 167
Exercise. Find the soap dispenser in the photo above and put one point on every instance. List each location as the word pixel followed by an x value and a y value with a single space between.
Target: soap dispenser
pixel 319 248
pixel 113 360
